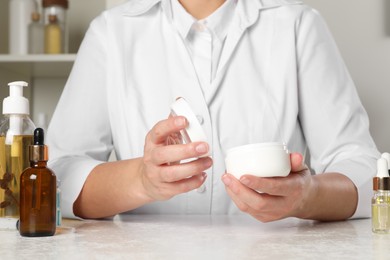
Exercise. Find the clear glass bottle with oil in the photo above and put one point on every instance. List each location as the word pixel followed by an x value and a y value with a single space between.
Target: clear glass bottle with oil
pixel 381 199
pixel 16 135
pixel 53 36
pixel 59 9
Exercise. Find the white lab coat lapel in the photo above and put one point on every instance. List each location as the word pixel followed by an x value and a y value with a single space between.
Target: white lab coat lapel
pixel 247 14
pixel 175 56
pixel 136 7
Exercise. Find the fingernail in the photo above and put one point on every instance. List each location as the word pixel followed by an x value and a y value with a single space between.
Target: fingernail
pixel 245 181
pixel 180 121
pixel 226 180
pixel 201 148
pixel 208 163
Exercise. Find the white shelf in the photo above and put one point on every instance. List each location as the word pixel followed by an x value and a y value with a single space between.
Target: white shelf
pixel 37 58
pixel 40 65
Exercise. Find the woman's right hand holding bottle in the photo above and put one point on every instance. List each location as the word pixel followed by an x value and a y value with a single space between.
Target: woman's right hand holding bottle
pixel 161 174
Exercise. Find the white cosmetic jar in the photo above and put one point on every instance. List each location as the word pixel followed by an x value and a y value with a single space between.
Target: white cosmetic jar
pixel 261 159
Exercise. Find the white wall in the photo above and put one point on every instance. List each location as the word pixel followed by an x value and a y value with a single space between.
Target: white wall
pixel 362 31
pixel 81 13
pixel 111 3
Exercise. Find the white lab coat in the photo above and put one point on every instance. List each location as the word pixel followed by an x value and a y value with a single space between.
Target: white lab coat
pixel 280 78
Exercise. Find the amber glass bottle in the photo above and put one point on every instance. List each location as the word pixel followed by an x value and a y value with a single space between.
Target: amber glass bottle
pixel 38 187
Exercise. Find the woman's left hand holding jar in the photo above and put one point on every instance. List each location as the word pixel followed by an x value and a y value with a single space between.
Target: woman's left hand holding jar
pixel 272 198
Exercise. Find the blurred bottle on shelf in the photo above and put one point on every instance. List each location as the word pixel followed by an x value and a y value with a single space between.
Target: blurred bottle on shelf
pixel 19 20
pixel 53 36
pixel 35 34
pixel 55 18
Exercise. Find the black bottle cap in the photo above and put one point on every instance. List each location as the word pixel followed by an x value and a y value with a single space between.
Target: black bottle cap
pixel 38 151
pixel 39 136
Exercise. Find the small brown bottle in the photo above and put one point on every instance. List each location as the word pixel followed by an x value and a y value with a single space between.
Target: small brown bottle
pixel 38 187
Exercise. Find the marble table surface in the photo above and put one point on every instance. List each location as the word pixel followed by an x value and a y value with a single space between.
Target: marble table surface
pixel 199 237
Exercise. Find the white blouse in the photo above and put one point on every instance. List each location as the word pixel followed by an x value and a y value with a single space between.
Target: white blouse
pixel 280 77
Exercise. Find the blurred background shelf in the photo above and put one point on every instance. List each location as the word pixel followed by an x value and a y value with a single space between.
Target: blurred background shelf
pixel 35 58
pixel 38 65
pixel 46 74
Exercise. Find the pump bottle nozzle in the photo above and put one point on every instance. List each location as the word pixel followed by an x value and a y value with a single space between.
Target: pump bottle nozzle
pixel 15 105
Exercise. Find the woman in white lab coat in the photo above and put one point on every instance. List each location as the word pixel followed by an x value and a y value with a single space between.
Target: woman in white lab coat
pixel 253 71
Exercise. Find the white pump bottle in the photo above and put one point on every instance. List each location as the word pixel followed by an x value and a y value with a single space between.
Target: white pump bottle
pixel 16 111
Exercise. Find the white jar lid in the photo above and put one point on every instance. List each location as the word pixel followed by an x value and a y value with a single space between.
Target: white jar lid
pixel 194 131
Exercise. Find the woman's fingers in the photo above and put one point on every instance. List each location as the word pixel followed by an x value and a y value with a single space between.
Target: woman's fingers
pixel 271 198
pixel 280 186
pixel 165 128
pixel 297 162
pixel 177 172
pixel 173 153
pixel 262 206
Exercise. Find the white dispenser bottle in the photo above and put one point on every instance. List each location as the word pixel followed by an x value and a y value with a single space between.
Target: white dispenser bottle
pixel 16 135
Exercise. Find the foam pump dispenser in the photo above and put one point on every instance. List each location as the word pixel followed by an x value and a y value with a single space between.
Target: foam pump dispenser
pixel 16 135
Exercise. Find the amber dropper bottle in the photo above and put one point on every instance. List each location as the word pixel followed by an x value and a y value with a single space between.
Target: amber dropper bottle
pixel 38 187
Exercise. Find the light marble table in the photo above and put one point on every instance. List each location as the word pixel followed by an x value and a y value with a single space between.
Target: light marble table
pixel 200 237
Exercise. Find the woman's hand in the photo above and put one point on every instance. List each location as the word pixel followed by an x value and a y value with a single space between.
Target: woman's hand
pixel 162 176
pixel 281 197
pixel 124 185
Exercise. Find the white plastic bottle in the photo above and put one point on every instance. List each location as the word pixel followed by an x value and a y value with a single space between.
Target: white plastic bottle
pixel 16 135
pixel 19 19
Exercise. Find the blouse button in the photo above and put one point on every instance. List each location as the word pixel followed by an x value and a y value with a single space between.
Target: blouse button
pixel 200 119
pixel 200 27
pixel 201 189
